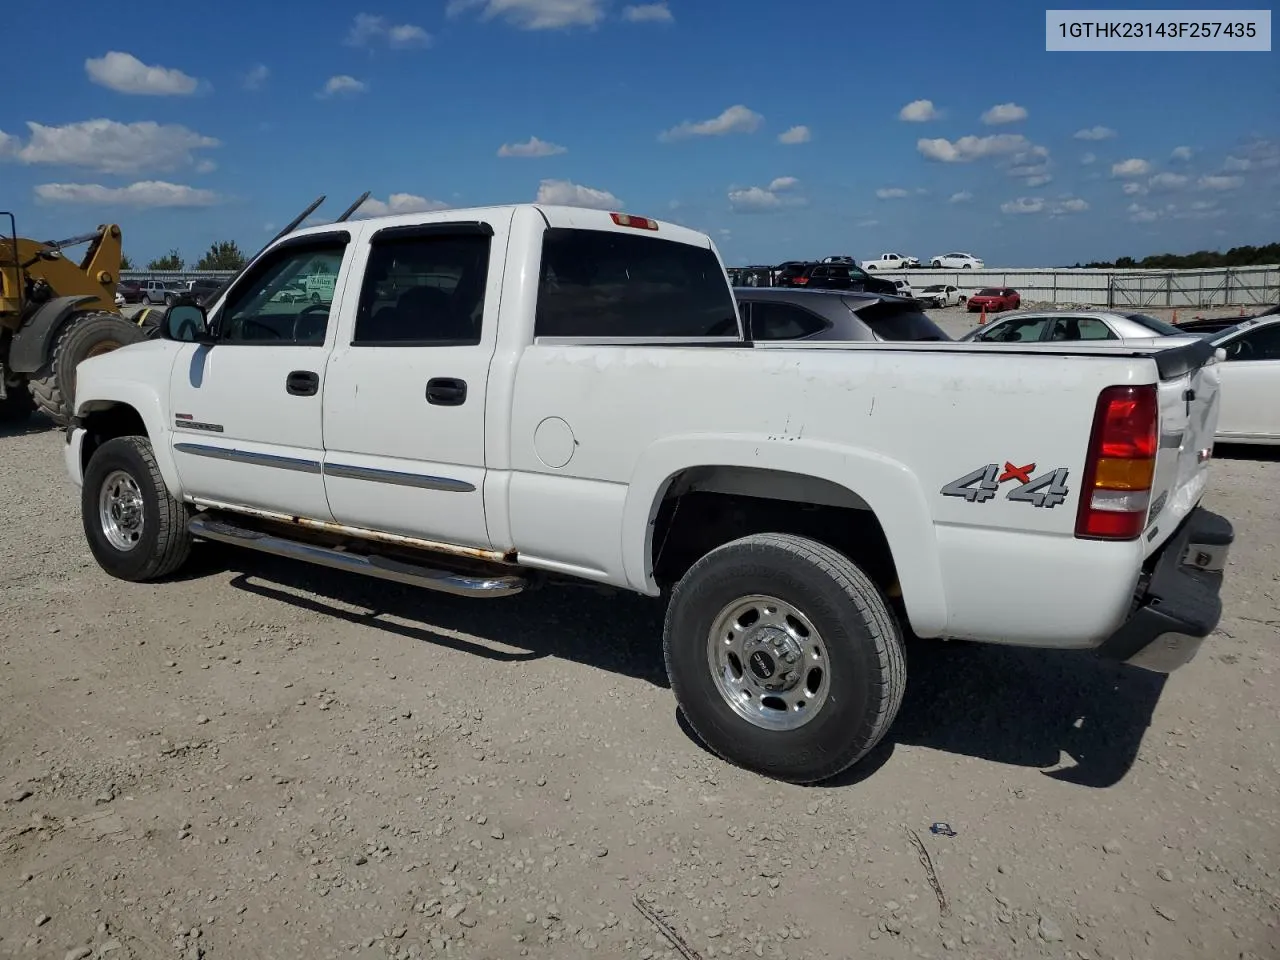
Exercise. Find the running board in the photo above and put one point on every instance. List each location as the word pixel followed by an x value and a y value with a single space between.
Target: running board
pixel 442 581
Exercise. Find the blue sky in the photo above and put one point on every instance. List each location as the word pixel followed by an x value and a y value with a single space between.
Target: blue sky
pixel 785 130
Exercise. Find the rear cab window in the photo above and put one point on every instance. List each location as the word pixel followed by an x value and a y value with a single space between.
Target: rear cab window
pixel 602 283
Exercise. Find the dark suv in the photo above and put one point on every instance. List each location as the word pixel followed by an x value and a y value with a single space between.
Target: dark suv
pixel 841 276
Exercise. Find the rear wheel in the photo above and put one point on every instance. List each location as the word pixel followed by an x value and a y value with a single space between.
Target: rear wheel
pixel 136 530
pixel 784 657
pixel 87 335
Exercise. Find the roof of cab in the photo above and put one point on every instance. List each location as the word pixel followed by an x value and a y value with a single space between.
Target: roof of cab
pixel 580 218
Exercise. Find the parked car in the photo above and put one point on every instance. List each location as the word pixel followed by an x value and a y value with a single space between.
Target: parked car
pixel 839 259
pixel 786 273
pixel 130 291
pixel 940 295
pixel 1250 407
pixel 891 261
pixel 904 287
pixel 842 276
pixel 159 291
pixel 756 276
pixel 800 507
pixel 957 261
pixel 994 300
pixel 1214 324
pixel 1072 325
pixel 205 289
pixel 822 315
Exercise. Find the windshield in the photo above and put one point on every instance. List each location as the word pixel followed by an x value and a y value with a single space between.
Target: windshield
pixel 1159 326
pixel 988 292
pixel 897 321
pixel 936 288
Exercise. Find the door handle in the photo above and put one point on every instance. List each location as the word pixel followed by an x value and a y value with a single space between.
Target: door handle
pixel 302 383
pixel 446 391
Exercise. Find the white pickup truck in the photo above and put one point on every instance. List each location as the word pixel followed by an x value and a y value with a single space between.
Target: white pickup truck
pixel 890 261
pixel 499 397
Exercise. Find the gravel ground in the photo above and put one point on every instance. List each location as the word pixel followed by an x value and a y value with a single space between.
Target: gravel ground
pixel 266 760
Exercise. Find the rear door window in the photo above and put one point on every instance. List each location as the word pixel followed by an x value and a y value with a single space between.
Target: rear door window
pixel 600 283
pixel 783 321
pixel 1024 330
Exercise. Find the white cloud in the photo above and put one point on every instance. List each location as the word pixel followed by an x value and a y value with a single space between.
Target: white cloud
pixel 867 223
pixel 8 144
pixel 146 193
pixel 342 85
pixel 1181 153
pixel 1094 133
pixel 1237 164
pixel 919 111
pixel 256 77
pixel 398 203
pixel 1004 113
pixel 1030 205
pixel 1089 158
pixel 565 193
pixel 891 193
pixel 647 13
pixel 964 196
pixel 534 14
pixel 1133 188
pixel 367 30
pixel 1023 205
pixel 1038 180
pixel 111 146
pixel 1167 181
pixel 125 73
pixel 736 119
pixel 206 166
pixel 1220 183
pixel 1133 167
pixel 764 199
pixel 971 148
pixel 533 147
pixel 1140 214
pixel 797 134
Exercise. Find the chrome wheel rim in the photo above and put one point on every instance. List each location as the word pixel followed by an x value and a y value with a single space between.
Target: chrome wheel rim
pixel 120 510
pixel 768 662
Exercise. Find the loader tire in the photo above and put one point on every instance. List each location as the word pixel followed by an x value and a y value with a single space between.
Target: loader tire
pixel 87 335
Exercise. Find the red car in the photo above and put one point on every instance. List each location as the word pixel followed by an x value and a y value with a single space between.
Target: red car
pixel 995 299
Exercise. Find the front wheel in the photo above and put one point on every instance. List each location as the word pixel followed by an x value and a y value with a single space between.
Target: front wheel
pixel 135 528
pixel 784 657
pixel 968 266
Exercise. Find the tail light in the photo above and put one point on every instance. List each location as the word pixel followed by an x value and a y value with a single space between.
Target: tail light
pixel 640 223
pixel 800 281
pixel 1121 464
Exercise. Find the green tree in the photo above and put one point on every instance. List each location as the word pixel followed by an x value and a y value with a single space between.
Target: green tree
pixel 170 261
pixel 223 255
pixel 125 262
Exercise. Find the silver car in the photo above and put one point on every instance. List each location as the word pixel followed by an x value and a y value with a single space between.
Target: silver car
pixel 1056 326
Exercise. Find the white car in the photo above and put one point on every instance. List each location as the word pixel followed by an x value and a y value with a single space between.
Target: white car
pixel 891 261
pixel 1250 409
pixel 1059 326
pixel 940 295
pixel 797 505
pixel 956 261
pixel 904 287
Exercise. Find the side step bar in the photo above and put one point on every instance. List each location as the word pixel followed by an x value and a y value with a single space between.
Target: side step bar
pixel 442 581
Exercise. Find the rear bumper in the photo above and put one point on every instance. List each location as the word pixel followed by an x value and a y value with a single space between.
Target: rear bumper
pixel 1180 603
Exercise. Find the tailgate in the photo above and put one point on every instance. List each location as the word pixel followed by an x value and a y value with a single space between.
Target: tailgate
pixel 1188 396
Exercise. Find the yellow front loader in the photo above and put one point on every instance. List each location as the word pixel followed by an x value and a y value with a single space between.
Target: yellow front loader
pixel 54 313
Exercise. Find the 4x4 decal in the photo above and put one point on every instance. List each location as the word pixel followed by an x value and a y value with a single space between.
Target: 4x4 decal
pixel 1047 490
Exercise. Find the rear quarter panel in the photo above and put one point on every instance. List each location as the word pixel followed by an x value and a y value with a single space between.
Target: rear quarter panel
pixel 895 424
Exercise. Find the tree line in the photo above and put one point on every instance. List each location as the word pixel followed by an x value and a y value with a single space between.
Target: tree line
pixel 1245 256
pixel 223 255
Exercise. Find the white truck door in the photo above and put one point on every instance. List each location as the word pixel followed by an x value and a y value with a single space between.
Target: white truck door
pixel 247 409
pixel 404 402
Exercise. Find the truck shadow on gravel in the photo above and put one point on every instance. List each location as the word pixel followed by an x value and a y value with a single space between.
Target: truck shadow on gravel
pixel 1010 705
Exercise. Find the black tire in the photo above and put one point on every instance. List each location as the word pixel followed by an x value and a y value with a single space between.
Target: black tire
pixel 968 266
pixel 163 542
pixel 861 636
pixel 82 337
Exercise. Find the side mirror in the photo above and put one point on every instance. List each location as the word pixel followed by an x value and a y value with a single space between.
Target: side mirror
pixel 186 323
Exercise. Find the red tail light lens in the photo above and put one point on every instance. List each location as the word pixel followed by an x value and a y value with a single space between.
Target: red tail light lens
pixel 640 223
pixel 1120 467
